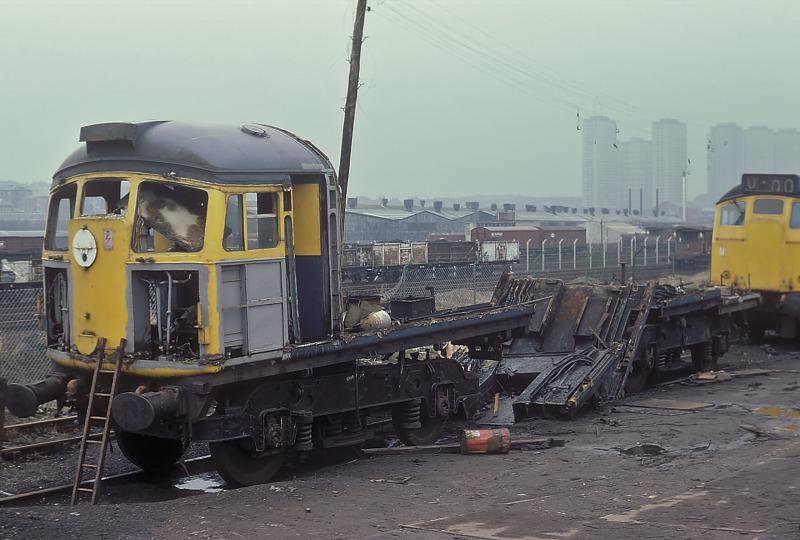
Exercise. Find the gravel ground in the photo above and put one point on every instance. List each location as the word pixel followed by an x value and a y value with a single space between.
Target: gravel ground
pixel 712 479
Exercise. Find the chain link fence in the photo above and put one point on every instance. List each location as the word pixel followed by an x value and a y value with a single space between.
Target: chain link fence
pixel 22 339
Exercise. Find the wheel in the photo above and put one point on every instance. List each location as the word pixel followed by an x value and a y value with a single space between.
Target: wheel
pixel 239 465
pixel 151 454
pixel 429 432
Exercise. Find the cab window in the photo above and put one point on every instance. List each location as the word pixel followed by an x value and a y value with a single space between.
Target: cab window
pixel 732 214
pixel 169 217
pixel 794 220
pixel 772 207
pixel 233 236
pixel 262 220
pixel 62 207
pixel 105 197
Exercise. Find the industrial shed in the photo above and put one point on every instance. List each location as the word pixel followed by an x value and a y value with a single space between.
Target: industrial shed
pixel 383 224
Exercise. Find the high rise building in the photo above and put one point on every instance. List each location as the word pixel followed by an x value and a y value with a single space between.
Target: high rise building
pixel 601 185
pixel 758 149
pixel 725 158
pixel 636 173
pixel 786 155
pixel 669 160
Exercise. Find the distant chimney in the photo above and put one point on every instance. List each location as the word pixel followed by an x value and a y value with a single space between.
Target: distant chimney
pixel 585 210
pixel 530 208
pixel 352 202
pixel 456 206
pixel 635 212
pixel 493 207
pixel 473 205
pixel 506 215
pixel 605 211
pixel 591 210
pixel 509 206
pixel 574 210
pixel 422 203
pixel 437 205
pixel 384 202
pixel 408 204
pixel 626 212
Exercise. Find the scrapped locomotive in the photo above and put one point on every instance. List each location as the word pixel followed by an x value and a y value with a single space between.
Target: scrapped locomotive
pixel 207 259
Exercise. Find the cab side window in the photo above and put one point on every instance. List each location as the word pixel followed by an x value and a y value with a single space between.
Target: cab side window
pixel 233 237
pixel 262 220
pixel 62 207
pixel 732 214
pixel 794 220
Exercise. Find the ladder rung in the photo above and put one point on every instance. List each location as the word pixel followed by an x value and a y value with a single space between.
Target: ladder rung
pixel 108 371
pixel 94 441
pixel 88 465
pixel 103 418
pixel 87 490
pixel 102 394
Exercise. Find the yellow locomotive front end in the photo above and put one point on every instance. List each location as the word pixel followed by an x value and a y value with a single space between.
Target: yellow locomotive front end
pixel 756 247
pixel 183 249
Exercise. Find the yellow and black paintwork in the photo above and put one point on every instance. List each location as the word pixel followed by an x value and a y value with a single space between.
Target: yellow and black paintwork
pixel 756 247
pixel 221 162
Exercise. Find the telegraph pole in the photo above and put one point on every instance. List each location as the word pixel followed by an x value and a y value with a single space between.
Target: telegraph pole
pixel 350 103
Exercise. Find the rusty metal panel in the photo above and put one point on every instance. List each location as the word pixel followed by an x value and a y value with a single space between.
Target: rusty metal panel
pixel 419 253
pixel 405 254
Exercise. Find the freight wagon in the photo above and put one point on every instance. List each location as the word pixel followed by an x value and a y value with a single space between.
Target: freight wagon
pixel 385 261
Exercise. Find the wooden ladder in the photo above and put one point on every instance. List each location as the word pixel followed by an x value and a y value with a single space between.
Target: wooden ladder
pixel 97 438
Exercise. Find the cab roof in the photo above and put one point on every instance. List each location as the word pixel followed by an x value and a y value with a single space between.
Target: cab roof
pixel 246 154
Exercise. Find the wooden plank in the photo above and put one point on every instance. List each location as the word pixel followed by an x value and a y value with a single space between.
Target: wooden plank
pixel 455 448
pixel 671 404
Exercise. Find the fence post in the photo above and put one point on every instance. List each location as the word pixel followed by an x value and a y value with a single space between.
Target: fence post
pixel 604 252
pixel 561 241
pixel 528 255
pixel 2 411
pixel 619 250
pixel 658 239
pixel 645 251
pixel 543 244
pixel 575 254
pixel 590 255
pixel 668 248
pixel 474 283
pixel 633 247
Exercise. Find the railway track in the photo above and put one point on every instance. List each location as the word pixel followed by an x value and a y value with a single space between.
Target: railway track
pixel 120 477
pixel 51 425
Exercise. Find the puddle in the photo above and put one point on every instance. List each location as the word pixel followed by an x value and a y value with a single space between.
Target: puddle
pixel 781 412
pixel 206 482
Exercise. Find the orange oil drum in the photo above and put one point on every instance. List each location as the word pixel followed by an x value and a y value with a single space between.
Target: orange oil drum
pixel 485 441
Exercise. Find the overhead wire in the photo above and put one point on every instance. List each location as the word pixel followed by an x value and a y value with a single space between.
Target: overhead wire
pixel 466 54
pixel 487 58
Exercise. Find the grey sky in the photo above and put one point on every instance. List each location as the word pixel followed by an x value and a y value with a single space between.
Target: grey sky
pixel 433 118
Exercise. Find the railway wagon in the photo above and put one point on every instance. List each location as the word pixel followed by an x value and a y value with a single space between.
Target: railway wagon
pixel 203 262
pixel 385 261
pixel 756 247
